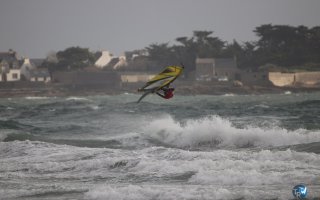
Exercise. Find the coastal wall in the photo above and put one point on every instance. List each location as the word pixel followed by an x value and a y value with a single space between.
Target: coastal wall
pixel 302 79
pixel 254 78
pixel 308 79
pixel 133 78
pixel 282 79
pixel 87 78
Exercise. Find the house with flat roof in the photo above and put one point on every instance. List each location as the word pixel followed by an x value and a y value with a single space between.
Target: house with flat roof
pixel 221 69
pixel 40 75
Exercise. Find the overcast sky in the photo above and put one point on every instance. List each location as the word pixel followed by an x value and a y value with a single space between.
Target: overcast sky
pixel 35 27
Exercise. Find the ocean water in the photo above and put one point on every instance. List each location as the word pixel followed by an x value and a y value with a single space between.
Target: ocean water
pixel 190 147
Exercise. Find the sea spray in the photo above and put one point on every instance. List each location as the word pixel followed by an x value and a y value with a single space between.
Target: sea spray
pixel 190 147
pixel 220 132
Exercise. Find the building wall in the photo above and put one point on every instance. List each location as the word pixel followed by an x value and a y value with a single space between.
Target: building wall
pixel 40 79
pixel 87 78
pixel 226 72
pixel 254 78
pixel 226 67
pixel 134 78
pixel 205 68
pixel 215 68
pixel 12 75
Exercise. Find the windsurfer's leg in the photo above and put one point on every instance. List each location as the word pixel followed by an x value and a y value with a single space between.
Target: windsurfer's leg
pixel 160 95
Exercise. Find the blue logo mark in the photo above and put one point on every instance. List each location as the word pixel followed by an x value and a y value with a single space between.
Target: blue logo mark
pixel 300 191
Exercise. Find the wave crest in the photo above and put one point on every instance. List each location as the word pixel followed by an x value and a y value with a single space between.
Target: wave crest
pixel 219 132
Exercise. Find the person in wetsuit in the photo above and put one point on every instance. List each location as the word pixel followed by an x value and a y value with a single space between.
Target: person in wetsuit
pixel 167 93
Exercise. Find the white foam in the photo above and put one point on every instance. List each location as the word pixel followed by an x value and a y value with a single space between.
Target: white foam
pixel 231 168
pixel 5 132
pixel 287 92
pixel 140 192
pixel 36 98
pixel 229 95
pixel 221 133
pixel 186 192
pixel 77 99
pixel 95 107
pixel 219 174
pixel 259 106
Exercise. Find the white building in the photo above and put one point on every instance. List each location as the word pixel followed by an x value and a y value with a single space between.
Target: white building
pixel 104 59
pixel 26 67
pixel 11 75
pixel 122 62
pixel 107 60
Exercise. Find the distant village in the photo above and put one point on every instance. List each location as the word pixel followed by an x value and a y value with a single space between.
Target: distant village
pixel 123 73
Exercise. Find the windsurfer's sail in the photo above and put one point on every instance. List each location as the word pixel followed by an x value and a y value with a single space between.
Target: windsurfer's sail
pixel 161 80
pixel 167 76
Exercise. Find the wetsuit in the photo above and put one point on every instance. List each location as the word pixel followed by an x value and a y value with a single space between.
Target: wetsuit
pixel 168 93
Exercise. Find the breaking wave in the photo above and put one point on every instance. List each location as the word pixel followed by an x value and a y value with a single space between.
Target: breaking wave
pixel 220 132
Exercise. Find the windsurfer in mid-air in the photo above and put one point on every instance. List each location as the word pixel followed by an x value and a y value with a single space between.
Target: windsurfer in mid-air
pixel 167 92
pixel 160 83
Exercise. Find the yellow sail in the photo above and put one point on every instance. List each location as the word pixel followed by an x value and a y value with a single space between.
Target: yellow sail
pixel 167 76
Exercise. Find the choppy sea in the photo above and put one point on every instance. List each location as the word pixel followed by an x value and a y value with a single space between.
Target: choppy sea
pixel 190 147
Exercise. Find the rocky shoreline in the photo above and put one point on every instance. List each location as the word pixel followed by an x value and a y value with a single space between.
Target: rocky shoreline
pixel 55 90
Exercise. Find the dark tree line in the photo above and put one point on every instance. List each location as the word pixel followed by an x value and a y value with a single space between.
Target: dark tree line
pixel 288 46
pixel 280 45
pixel 72 58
